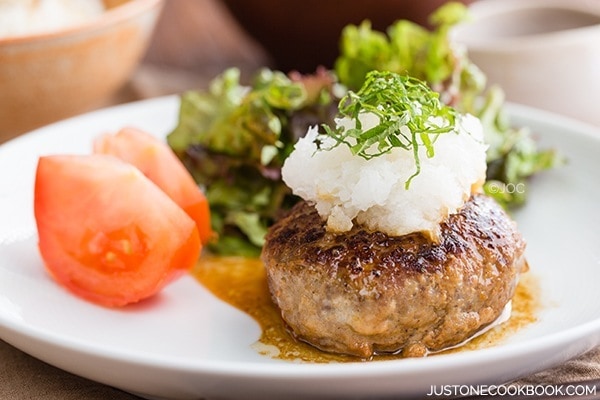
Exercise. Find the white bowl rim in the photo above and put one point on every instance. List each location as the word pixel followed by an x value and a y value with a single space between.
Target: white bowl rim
pixel 109 17
pixel 489 8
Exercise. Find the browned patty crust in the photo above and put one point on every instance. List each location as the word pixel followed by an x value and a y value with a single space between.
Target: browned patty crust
pixel 362 292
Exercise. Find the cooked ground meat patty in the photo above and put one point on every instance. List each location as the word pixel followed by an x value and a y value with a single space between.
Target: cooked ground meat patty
pixel 362 292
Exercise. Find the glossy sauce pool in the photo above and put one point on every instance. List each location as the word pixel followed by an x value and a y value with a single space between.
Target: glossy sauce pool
pixel 242 282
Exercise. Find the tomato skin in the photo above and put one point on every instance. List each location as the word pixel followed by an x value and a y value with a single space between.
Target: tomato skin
pixel 106 232
pixel 159 163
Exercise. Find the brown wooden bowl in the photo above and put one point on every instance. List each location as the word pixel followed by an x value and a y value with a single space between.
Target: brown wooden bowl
pixel 301 35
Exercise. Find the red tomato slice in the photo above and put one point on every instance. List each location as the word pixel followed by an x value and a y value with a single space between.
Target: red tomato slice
pixel 158 162
pixel 108 233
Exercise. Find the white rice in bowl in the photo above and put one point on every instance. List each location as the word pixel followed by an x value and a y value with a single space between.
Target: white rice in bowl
pixel 22 17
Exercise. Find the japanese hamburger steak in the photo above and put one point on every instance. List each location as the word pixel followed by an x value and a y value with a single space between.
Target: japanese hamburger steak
pixel 394 247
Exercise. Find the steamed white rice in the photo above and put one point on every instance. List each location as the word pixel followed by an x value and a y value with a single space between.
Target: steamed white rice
pixel 22 17
pixel 348 189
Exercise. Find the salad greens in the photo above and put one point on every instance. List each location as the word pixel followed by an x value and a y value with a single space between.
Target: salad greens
pixel 234 138
pixel 408 49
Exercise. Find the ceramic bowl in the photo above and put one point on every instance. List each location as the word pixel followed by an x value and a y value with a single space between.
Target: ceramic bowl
pixel 45 77
pixel 543 53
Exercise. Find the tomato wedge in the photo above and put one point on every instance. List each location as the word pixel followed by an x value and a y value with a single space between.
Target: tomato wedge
pixel 108 233
pixel 158 162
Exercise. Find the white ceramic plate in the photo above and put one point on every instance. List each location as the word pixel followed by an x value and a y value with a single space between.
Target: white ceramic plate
pixel 186 344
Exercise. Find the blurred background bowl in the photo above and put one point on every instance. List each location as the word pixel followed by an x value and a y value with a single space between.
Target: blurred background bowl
pixel 542 53
pixel 45 77
pixel 301 35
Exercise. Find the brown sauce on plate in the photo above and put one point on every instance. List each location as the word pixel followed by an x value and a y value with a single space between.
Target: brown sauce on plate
pixel 242 282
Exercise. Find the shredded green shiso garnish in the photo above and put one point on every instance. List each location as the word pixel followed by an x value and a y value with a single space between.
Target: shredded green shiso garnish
pixel 234 138
pixel 399 102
